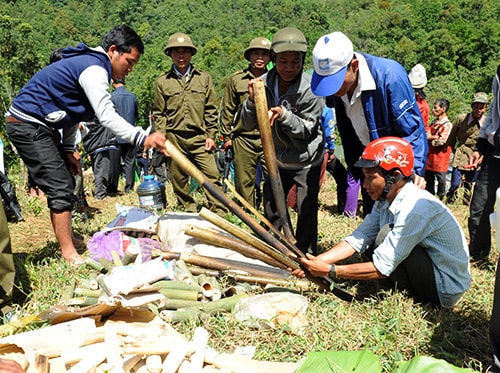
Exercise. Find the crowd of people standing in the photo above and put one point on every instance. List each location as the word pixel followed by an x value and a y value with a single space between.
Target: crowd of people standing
pixel 408 236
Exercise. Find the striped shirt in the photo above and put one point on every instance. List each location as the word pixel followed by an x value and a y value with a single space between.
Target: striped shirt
pixel 419 219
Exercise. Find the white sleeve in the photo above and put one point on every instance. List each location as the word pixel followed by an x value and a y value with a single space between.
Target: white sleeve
pixel 95 82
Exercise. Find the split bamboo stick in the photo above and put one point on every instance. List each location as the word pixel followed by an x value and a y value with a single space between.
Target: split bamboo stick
pixel 247 237
pixel 274 178
pixel 218 238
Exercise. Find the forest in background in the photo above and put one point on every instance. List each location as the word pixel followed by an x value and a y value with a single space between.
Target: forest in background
pixel 456 40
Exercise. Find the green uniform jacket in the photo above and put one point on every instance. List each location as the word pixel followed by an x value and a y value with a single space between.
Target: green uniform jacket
pixel 463 138
pixel 235 94
pixel 185 107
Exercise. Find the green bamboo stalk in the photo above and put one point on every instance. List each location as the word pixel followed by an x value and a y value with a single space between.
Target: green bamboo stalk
pixel 67 291
pixel 174 304
pixel 179 285
pixel 180 294
pixel 95 265
pixel 182 272
pixel 107 265
pixel 82 301
pixel 93 284
pixel 117 262
pixel 82 292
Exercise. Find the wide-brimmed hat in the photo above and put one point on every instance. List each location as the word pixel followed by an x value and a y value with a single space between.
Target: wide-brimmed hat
pixel 331 56
pixel 179 40
pixel 481 97
pixel 418 77
pixel 257 43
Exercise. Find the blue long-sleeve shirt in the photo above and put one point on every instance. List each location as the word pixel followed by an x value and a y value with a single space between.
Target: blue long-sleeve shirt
pixel 419 219
pixel 390 110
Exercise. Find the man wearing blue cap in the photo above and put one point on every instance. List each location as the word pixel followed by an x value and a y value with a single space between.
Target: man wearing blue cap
pixel 372 97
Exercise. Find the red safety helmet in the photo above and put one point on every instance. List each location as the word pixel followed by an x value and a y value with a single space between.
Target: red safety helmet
pixel 388 153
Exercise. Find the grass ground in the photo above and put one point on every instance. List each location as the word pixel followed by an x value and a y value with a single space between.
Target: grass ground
pixel 390 325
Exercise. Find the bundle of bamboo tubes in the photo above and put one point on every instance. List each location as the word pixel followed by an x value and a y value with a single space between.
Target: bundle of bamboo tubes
pixel 79 346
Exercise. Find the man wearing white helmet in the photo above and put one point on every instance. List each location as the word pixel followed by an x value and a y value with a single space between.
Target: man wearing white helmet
pixel 418 80
pixel 372 97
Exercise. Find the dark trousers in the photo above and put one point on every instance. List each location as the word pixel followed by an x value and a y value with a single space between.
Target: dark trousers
pixel 482 204
pixel 430 179
pixel 101 169
pixel 125 152
pixel 469 177
pixel 307 182
pixel 43 154
pixel 495 324
pixel 415 274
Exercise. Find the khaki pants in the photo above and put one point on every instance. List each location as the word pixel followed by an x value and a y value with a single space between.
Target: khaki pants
pixel 7 269
pixel 193 147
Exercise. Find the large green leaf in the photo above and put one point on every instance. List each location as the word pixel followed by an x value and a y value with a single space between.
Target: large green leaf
pixel 340 362
pixel 426 364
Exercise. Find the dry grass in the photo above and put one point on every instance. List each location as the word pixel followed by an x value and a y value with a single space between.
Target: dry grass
pixel 391 325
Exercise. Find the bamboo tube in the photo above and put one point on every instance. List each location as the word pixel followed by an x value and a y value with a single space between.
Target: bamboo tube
pixel 130 361
pixel 153 363
pixel 41 364
pixel 178 285
pixel 217 292
pixel 161 346
pixel 200 341
pixel 175 357
pixel 207 288
pixel 82 292
pixel 107 265
pixel 222 305
pixel 247 237
pixel 218 238
pixel 180 294
pixel 112 342
pixel 299 284
pixel 222 264
pixel 95 265
pixel 182 273
pixel 117 262
pixel 93 284
pixel 89 362
pixel 82 301
pixel 130 255
pixel 175 304
pixel 274 178
pixel 67 292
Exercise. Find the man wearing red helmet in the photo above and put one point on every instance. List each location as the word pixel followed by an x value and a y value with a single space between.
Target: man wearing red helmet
pixel 413 240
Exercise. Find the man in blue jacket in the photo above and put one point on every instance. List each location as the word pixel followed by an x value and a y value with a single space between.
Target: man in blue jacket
pixel 63 94
pixel 372 96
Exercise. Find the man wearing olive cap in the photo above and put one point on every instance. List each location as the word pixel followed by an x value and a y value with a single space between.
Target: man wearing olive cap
pixel 246 143
pixel 372 97
pixel 462 139
pixel 185 109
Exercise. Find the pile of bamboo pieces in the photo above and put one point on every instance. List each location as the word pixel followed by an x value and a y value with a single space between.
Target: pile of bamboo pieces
pixel 79 346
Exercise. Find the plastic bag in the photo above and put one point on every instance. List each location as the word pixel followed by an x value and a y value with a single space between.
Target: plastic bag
pixel 266 311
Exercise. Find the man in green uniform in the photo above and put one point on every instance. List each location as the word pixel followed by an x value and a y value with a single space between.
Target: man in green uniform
pixel 185 109
pixel 7 269
pixel 246 144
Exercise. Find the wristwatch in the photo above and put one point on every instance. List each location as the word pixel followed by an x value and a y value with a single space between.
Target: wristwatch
pixel 332 273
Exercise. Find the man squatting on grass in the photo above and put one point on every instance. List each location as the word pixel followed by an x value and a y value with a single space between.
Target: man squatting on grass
pixel 60 96
pixel 414 241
